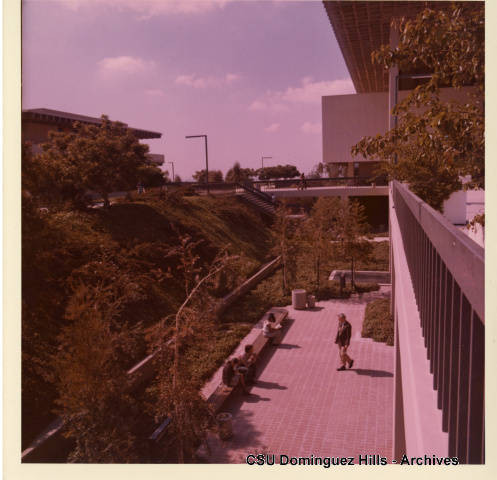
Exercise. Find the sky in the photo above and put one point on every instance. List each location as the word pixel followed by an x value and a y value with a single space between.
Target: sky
pixel 249 74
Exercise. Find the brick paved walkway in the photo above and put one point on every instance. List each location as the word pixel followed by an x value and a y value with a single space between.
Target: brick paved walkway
pixel 301 405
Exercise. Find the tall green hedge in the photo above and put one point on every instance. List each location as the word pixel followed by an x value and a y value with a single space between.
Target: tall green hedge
pixel 378 322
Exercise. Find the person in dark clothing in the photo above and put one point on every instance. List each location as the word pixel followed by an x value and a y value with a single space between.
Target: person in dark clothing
pixel 303 183
pixel 342 339
pixel 248 360
pixel 230 370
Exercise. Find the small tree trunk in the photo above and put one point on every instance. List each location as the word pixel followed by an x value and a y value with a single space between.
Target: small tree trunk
pixel 318 265
pixel 177 411
pixel 284 283
pixel 352 276
pixel 106 201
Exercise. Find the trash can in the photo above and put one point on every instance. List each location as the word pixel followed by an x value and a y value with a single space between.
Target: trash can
pixel 299 299
pixel 311 301
pixel 225 425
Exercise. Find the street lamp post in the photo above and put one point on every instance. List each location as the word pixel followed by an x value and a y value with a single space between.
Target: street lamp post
pixel 172 165
pixel 262 161
pixel 262 165
pixel 206 159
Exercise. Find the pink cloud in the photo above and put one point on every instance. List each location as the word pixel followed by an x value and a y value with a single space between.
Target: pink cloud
pixel 150 8
pixel 231 77
pixel 155 92
pixel 267 105
pixel 124 65
pixel 274 127
pixel 309 92
pixel 309 127
pixel 196 81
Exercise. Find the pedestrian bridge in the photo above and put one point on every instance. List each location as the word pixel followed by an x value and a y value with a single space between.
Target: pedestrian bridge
pixel 338 191
pixel 323 187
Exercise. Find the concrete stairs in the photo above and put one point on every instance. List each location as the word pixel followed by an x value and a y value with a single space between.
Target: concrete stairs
pixel 265 206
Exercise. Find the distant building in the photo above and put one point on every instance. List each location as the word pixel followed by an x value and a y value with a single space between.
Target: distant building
pixel 38 122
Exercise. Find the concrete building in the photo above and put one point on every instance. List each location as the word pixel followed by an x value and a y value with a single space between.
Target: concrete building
pixel 360 29
pixel 38 122
pixel 437 272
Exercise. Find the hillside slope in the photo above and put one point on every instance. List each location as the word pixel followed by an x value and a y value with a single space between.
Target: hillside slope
pixel 125 255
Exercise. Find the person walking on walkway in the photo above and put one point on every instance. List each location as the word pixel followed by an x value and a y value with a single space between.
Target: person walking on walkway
pixel 303 183
pixel 343 340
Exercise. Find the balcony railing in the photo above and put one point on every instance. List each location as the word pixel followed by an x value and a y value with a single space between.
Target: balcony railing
pixel 447 275
pixel 321 182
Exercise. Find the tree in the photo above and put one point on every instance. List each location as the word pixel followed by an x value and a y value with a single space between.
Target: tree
pixel 319 230
pixel 103 158
pixel 284 244
pixel 177 396
pixel 436 143
pixel 98 412
pixel 279 171
pixel 238 174
pixel 352 226
pixel 152 176
pixel 215 176
pixel 316 171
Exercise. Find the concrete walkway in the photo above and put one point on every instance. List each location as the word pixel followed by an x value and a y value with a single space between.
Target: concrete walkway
pixel 301 405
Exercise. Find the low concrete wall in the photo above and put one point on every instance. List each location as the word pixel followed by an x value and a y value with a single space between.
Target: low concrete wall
pixel 49 447
pixel 246 286
pixel 220 394
pixel 363 276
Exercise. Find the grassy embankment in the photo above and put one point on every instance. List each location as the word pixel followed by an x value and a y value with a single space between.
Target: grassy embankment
pixel 127 248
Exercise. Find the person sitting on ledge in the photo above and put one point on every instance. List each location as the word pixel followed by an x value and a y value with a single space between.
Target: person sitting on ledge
pixel 248 360
pixel 230 368
pixel 269 330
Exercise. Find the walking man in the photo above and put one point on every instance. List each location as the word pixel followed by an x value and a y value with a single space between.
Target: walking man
pixel 343 340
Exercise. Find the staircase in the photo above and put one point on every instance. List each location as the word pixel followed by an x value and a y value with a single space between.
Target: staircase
pixel 262 201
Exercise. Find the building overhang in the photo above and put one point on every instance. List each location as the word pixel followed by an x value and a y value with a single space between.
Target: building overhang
pixel 362 27
pixel 56 117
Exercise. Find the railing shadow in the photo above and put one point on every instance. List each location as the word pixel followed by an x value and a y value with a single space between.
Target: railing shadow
pixel 372 373
pixel 287 346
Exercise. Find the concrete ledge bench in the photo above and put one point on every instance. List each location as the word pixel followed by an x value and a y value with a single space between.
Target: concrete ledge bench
pixel 160 431
pixel 222 392
pixel 217 399
pixel 157 436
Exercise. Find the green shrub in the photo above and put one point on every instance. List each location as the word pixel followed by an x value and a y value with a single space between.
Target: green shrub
pixel 332 290
pixel 366 287
pixel 378 322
